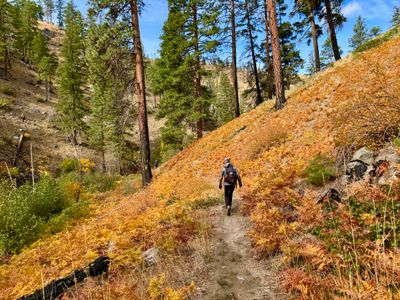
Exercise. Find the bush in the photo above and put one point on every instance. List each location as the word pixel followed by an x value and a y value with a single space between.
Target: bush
pixel 18 225
pixel 47 199
pixel 320 170
pixel 8 90
pixel 4 103
pixel 24 212
pixel 99 182
pixel 379 40
pixel 69 165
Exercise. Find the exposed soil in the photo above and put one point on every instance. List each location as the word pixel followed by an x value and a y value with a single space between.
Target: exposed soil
pixel 233 270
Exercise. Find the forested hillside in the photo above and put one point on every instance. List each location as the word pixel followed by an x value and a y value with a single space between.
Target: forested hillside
pixel 110 161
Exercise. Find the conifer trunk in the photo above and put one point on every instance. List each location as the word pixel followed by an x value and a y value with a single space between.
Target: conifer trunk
pixel 199 123
pixel 253 55
pixel 234 65
pixel 315 42
pixel 276 55
pixel 47 89
pixel 140 91
pixel 268 51
pixel 332 32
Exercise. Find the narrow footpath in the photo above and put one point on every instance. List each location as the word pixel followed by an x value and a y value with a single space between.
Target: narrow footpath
pixel 233 271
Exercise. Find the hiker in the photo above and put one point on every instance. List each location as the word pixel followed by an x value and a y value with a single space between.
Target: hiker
pixel 231 178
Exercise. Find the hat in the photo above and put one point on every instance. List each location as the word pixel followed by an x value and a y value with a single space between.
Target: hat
pixel 227 161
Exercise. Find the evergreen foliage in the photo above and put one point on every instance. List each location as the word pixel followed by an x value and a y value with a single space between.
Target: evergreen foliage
pixel 360 34
pixel 60 13
pixel 188 37
pixel 72 73
pixel 107 52
pixel 396 16
pixel 27 15
pixel 6 35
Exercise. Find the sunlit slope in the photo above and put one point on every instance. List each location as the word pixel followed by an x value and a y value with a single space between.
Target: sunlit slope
pixel 271 150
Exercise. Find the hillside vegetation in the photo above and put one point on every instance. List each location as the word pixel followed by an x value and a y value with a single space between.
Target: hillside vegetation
pixel 272 149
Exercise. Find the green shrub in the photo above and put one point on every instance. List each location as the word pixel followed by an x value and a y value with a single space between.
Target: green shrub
pixel 24 212
pixel 47 199
pixel 18 225
pixel 8 90
pixel 129 185
pixel 320 170
pixel 4 103
pixel 99 182
pixel 396 142
pixel 69 165
pixel 76 211
pixel 379 40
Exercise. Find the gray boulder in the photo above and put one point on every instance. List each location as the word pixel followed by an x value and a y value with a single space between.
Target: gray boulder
pixel 150 256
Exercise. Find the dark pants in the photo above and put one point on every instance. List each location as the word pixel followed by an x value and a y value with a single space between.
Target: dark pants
pixel 229 194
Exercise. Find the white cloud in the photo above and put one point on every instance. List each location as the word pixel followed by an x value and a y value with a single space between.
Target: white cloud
pixel 371 9
pixel 352 9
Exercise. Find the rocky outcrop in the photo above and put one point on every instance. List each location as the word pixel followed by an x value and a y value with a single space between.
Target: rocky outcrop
pixel 380 167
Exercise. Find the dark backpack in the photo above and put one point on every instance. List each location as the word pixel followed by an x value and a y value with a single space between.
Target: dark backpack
pixel 230 175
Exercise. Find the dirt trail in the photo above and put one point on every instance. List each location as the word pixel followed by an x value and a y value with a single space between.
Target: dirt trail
pixel 233 272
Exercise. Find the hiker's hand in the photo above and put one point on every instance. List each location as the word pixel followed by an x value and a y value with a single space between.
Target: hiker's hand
pixel 220 187
pixel 240 185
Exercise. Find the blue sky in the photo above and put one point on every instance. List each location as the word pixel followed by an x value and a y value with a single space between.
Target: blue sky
pixel 375 12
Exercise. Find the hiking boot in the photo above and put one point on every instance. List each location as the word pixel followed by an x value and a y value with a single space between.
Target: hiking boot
pixel 229 210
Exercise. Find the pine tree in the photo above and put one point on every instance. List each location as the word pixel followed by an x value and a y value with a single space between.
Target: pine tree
pixel 291 59
pixel 6 34
pixel 188 35
pixel 310 9
pixel 250 8
pixel 71 107
pixel 60 13
pixel 360 34
pixel 224 107
pixel 396 16
pixel 327 53
pixel 374 32
pixel 27 25
pixel 276 56
pixel 48 10
pixel 44 60
pixel 47 69
pixel 334 18
pixel 140 91
pixel 234 58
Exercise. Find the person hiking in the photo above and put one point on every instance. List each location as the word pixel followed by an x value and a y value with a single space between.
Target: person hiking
pixel 231 178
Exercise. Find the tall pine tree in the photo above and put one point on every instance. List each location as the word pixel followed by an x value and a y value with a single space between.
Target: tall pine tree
pixel 360 34
pixel 6 35
pixel 396 16
pixel 71 107
pixel 188 37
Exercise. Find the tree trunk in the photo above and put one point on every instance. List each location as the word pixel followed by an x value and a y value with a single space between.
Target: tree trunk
pixel 276 56
pixel 47 88
pixel 268 51
pixel 315 42
pixel 140 91
pixel 5 63
pixel 332 32
pixel 253 56
pixel 234 66
pixel 199 108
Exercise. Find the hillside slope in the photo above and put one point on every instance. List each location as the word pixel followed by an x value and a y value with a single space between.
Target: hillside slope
pixel 270 148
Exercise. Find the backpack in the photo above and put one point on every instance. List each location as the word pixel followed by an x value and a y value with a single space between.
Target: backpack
pixel 230 175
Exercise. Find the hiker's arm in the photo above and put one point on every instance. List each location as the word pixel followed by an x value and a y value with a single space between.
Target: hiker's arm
pixel 220 178
pixel 239 178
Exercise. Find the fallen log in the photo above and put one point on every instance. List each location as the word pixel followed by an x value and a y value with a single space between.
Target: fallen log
pixel 58 286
